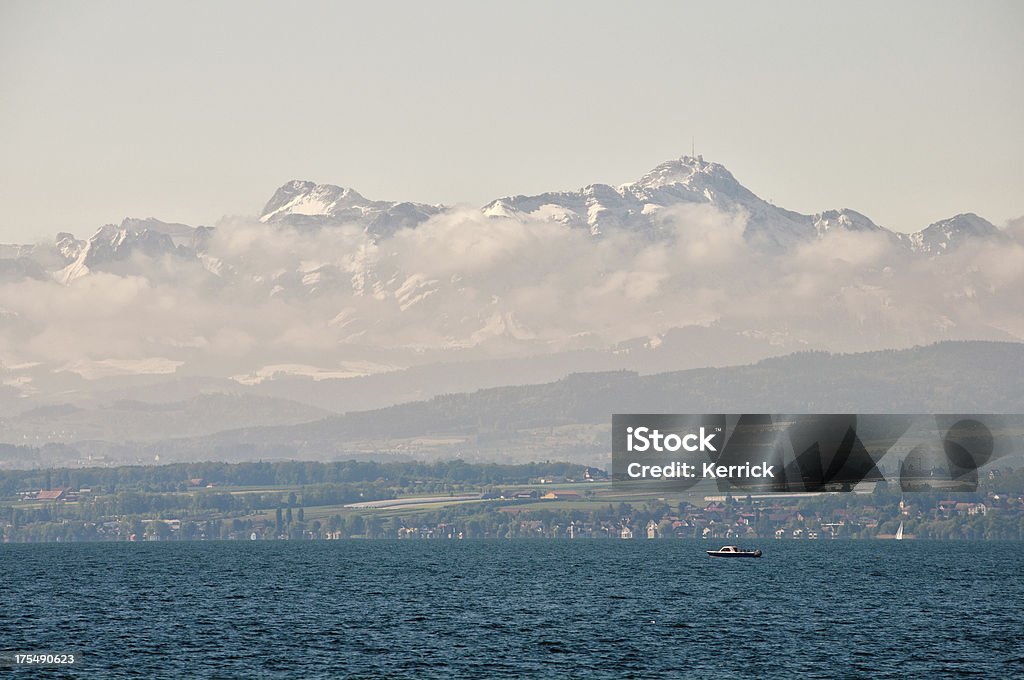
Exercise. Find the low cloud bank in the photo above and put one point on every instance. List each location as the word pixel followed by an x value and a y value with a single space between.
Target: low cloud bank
pixel 464 285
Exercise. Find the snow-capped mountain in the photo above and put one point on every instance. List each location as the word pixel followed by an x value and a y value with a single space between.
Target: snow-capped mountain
pixel 328 283
pixel 844 219
pixel 946 235
pixel 113 244
pixel 308 205
pixel 640 208
pixel 636 206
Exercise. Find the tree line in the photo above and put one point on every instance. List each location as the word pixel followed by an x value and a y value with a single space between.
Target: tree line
pixel 177 476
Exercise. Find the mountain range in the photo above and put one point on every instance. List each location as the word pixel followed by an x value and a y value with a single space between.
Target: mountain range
pixel 633 207
pixel 337 302
pixel 600 209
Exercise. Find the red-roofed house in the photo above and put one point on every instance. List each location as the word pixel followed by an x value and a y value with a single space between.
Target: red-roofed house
pixel 51 494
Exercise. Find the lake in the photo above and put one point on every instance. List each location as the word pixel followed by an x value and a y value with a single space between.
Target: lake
pixel 585 609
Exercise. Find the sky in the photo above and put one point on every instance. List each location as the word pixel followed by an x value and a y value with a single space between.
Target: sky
pixel 190 111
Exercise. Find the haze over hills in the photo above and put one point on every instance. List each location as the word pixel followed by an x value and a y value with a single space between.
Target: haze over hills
pixel 337 302
pixel 145 421
pixel 970 377
pixel 568 419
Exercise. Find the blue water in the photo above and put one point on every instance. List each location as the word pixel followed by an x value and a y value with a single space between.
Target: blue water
pixel 581 609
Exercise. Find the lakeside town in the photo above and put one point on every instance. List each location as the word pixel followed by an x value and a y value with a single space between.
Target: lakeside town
pixel 459 501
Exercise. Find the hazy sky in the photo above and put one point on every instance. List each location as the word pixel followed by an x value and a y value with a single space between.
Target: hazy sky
pixel 909 112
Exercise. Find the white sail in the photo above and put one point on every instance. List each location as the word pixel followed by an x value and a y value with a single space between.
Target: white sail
pixel 899 532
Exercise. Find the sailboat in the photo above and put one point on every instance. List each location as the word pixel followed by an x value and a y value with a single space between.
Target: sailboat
pixel 899 532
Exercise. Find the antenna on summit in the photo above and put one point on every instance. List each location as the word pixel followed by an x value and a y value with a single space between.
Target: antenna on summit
pixel 693 148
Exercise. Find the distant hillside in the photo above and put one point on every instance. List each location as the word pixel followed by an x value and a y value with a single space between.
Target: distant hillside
pixel 566 420
pixel 132 420
pixel 953 377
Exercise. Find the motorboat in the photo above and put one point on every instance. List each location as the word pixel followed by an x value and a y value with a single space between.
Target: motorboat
pixel 733 551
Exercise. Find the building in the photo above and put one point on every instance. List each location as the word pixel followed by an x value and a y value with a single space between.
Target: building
pixel 59 494
pixel 561 496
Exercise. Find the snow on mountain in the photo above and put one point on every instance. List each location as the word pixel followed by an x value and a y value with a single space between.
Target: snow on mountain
pixel 946 235
pixel 302 292
pixel 307 205
pixel 845 219
pixel 501 325
pixel 68 247
pixel 636 207
pixel 316 373
pixel 117 243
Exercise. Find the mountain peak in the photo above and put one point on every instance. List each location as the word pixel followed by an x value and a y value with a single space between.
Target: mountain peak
pixel 304 204
pixel 967 222
pixel 302 197
pixel 688 170
pixel 634 206
pixel 947 234
pixel 843 219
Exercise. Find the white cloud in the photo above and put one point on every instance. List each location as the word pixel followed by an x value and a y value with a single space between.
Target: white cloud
pixel 332 299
